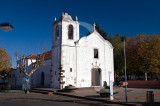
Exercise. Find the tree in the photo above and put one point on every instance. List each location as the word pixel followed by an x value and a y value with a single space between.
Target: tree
pixel 21 63
pixel 5 62
pixel 118 54
pixel 143 55
pixel 100 31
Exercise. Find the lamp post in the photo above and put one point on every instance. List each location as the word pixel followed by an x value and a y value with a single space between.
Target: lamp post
pixel 111 85
pixel 124 39
pixel 6 26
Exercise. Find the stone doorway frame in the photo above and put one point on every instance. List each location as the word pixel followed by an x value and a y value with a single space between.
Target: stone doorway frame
pixel 93 77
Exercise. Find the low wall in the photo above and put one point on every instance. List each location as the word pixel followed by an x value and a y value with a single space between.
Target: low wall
pixel 144 84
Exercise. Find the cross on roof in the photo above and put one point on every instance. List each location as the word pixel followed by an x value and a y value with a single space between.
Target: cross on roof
pixel 66 10
pixel 94 26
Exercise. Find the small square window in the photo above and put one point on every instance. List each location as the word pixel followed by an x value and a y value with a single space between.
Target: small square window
pixel 96 53
pixel 70 69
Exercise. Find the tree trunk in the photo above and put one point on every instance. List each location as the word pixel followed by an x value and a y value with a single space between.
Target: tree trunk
pixel 146 76
pixel 3 84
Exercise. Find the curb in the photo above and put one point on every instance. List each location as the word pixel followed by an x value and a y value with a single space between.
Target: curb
pixel 94 99
pixel 106 101
pixel 99 100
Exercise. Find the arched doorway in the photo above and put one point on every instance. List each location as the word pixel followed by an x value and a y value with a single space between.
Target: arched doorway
pixel 96 77
pixel 42 79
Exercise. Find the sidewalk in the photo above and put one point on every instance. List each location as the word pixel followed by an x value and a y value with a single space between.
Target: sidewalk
pixel 136 96
pixel 88 95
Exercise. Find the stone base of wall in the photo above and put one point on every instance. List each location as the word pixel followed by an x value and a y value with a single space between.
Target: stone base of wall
pixel 144 84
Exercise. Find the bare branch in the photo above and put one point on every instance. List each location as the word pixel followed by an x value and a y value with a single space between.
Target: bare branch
pixel 39 60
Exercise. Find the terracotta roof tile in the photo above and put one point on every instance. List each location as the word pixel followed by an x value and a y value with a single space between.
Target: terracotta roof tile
pixel 47 55
pixel 32 56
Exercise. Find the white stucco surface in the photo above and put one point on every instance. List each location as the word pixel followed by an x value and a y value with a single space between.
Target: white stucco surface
pixel 74 56
pixel 78 54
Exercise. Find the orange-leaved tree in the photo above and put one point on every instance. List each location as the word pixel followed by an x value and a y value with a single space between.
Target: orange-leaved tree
pixel 5 63
pixel 143 54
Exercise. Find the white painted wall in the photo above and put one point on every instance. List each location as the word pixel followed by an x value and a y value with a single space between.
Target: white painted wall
pixel 36 76
pixel 69 61
pixel 16 76
pixel 78 56
pixel 28 61
pixel 86 59
pixel 55 64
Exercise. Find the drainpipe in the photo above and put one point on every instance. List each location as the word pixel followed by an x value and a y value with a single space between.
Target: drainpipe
pixel 76 52
pixel 60 67
pixel 76 63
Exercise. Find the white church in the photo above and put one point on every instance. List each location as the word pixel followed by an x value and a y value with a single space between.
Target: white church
pixel 81 62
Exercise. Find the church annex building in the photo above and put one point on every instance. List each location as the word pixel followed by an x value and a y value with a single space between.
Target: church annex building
pixel 81 62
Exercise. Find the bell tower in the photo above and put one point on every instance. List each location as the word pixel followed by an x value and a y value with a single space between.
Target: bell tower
pixel 65 30
pixel 65 34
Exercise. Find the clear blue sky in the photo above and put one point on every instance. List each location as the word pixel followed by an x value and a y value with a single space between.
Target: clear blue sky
pixel 33 19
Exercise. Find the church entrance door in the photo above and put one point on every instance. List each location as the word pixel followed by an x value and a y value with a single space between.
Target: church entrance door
pixel 96 77
pixel 42 79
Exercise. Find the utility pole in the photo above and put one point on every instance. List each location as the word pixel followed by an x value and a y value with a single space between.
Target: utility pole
pixel 125 71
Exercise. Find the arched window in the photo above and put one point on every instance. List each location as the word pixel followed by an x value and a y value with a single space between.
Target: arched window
pixel 70 32
pixel 57 32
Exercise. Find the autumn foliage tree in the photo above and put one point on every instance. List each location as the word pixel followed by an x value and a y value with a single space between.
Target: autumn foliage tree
pixel 143 55
pixel 5 62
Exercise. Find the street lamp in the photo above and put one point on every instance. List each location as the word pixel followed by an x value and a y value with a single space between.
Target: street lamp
pixel 124 39
pixel 6 26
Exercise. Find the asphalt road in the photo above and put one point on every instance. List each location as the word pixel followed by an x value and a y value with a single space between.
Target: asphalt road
pixel 18 98
pixel 24 102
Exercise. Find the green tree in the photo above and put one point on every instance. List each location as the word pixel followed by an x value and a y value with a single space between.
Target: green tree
pixel 118 54
pixel 100 31
pixel 5 62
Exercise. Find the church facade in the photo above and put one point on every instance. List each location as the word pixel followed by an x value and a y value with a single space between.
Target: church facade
pixel 81 62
